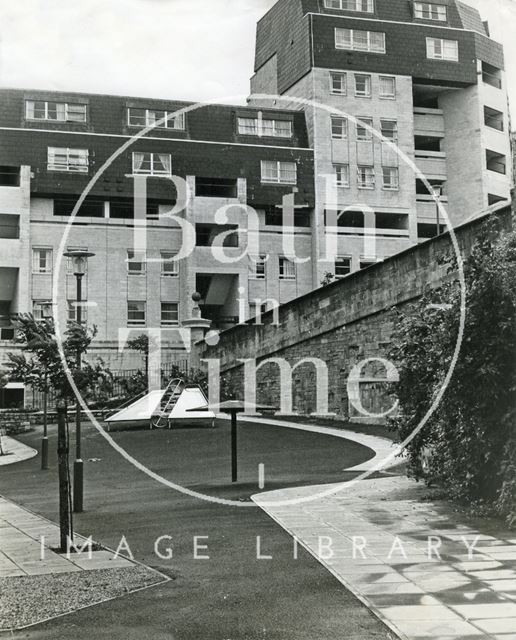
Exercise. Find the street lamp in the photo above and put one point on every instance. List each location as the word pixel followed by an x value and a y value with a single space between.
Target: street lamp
pixel 79 260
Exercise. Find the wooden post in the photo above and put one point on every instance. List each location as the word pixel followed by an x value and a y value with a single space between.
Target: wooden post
pixel 234 460
pixel 64 481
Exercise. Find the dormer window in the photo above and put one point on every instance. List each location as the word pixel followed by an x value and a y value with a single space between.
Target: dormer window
pixel 361 6
pixel 54 111
pixel 430 11
pixel 157 118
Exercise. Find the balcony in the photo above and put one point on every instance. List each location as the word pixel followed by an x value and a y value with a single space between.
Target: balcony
pixel 432 164
pixel 426 207
pixel 428 122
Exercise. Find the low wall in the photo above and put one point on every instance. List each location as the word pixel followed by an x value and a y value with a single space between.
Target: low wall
pixel 342 324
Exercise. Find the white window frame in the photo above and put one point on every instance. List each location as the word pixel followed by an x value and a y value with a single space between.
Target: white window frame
pixel 350 5
pixel 168 119
pixel 36 260
pixel 289 273
pixel 264 127
pixel 40 305
pixel 343 124
pixel 349 39
pixel 367 184
pixel 258 268
pixel 72 311
pixel 270 179
pixel 169 323
pixel 67 109
pixel 394 129
pixel 136 257
pixel 137 323
pixel 367 136
pixel 167 258
pixel 343 78
pixel 439 53
pixel 387 96
pixel 66 164
pixel 393 184
pixel 152 171
pixel 341 259
pixel 431 11
pixel 342 175
pixel 368 91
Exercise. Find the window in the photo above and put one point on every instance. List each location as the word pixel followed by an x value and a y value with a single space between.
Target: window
pixel 169 266
pixel 496 162
pixel 152 164
pixel 356 40
pixel 494 199
pixel 278 172
pixel 265 127
pixel 9 226
pixel 136 264
pixel 90 208
pixel 491 75
pixel 73 309
pixel 169 314
pixel 391 221
pixel 287 269
pixel 362 132
pixel 364 264
pixel 274 217
pixel 151 118
pixel 42 309
pixel 339 128
pixel 430 11
pixel 216 187
pixel 342 174
pixel 441 49
pixel 366 177
pixel 64 159
pixel 389 129
pixel 55 111
pixel 257 267
pixel 391 178
pixel 338 83
pixel 136 313
pixel 364 6
pixel 9 176
pixel 342 267
pixel 387 87
pixel 362 86
pixel 42 261
pixel 493 118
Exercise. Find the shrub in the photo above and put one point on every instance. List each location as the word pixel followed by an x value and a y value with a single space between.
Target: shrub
pixel 469 443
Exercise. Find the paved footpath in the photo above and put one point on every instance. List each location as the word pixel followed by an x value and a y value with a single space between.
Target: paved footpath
pixel 14 451
pixel 21 549
pixel 407 559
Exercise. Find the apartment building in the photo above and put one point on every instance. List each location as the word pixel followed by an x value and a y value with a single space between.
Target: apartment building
pixel 424 76
pixel 365 95
pixel 53 145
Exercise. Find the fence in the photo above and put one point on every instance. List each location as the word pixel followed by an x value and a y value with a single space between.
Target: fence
pixel 34 399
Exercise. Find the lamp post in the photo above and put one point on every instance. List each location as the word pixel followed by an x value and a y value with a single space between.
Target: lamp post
pixel 79 263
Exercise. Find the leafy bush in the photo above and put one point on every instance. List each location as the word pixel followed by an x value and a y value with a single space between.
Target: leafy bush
pixel 468 446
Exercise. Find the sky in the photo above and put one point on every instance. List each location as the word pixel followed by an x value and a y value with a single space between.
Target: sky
pixel 174 49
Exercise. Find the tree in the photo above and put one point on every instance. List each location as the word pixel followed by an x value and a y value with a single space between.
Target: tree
pixel 327 279
pixel 44 369
pixel 469 444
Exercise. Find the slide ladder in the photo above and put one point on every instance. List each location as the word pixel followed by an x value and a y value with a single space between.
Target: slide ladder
pixel 161 417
